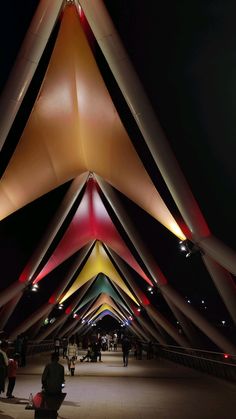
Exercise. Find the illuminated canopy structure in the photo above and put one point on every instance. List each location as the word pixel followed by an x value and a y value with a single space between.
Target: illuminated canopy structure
pixel 75 140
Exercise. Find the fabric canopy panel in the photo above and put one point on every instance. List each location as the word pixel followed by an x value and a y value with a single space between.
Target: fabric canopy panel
pixel 101 285
pixel 107 313
pixel 90 222
pixel 102 300
pixel 74 127
pixel 98 262
pixel 107 307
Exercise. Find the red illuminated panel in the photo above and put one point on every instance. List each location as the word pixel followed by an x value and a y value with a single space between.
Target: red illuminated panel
pixel 90 222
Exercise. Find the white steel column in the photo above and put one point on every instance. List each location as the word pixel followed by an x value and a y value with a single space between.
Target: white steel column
pixel 140 330
pixel 51 328
pixel 8 309
pixel 218 275
pixel 135 331
pixel 39 314
pixel 188 328
pixel 148 326
pixel 141 109
pixel 26 63
pixel 216 337
pixel 28 273
pixel 159 277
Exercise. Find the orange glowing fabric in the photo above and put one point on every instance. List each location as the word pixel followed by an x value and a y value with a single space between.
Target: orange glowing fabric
pixel 73 128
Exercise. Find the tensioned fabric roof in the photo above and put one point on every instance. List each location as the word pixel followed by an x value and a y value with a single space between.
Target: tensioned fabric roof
pixel 101 285
pixel 76 128
pixel 98 262
pixel 90 222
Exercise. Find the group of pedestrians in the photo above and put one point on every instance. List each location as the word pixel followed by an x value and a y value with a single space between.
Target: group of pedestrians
pixel 94 349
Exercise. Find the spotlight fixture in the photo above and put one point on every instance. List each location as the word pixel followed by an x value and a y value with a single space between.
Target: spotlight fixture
pixel 188 247
pixel 34 287
pixel 60 306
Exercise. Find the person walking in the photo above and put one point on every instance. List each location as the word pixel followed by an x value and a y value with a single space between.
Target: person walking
pixel 3 365
pixel 126 346
pixel 64 346
pixel 71 355
pixel 115 340
pixel 11 373
pixel 57 344
pixel 53 377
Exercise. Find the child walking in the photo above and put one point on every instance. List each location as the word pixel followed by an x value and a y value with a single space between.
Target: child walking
pixel 71 354
pixel 11 373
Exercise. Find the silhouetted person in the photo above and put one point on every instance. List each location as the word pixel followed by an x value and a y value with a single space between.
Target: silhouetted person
pixel 115 340
pixel 3 365
pixel 18 347
pixel 87 356
pixel 57 344
pixel 11 373
pixel 126 346
pixel 64 343
pixel 53 376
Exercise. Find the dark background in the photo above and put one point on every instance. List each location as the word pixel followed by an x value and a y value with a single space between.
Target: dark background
pixel 184 53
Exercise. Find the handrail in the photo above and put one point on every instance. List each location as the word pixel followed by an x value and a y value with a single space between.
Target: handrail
pixel 223 369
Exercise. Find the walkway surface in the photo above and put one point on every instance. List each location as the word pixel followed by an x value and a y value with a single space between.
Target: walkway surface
pixel 146 389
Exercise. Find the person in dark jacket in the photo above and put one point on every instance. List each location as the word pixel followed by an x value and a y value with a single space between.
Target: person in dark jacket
pixel 126 346
pixel 53 376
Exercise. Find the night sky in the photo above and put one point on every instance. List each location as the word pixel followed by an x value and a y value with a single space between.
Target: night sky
pixel 184 54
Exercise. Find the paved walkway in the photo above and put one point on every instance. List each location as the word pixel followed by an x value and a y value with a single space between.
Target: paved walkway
pixel 147 389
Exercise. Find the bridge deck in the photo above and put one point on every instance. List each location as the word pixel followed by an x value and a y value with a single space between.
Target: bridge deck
pixel 146 389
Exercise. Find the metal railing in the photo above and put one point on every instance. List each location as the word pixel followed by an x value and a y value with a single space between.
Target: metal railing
pixel 213 363
pixel 36 348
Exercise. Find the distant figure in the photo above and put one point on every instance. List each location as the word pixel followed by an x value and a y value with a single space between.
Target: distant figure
pixel 104 343
pixel 11 373
pixel 115 340
pixel 64 346
pixel 99 349
pixel 57 344
pixel 3 365
pixel 53 376
pixel 18 347
pixel 87 356
pixel 96 351
pixel 71 354
pixel 126 346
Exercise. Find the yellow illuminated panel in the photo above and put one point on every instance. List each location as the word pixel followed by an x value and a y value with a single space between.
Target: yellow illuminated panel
pixel 98 262
pixel 103 299
pixel 108 307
